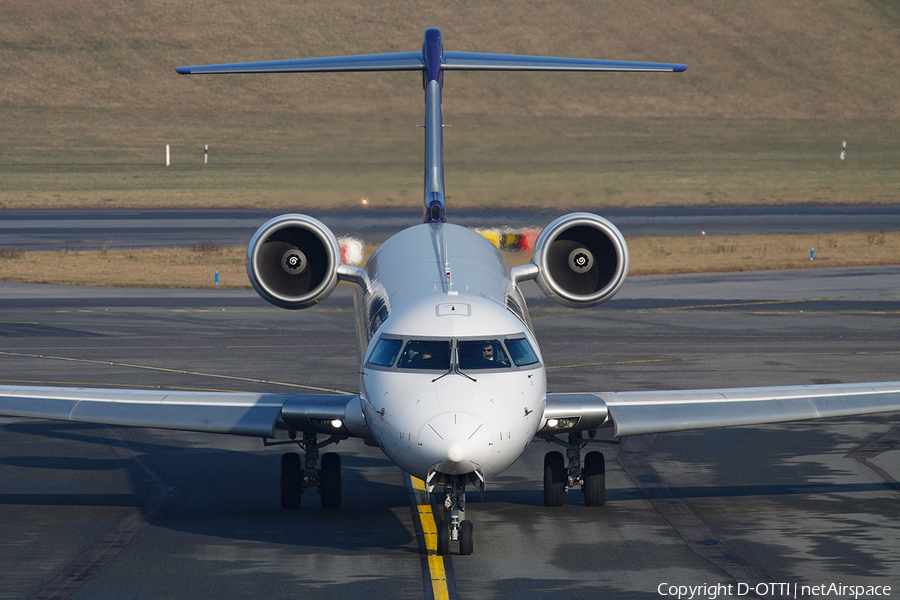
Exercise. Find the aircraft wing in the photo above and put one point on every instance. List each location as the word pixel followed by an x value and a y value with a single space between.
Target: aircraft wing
pixel 257 415
pixel 635 413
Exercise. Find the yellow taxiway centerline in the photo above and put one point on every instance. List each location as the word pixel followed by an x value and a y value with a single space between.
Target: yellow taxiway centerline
pixel 436 570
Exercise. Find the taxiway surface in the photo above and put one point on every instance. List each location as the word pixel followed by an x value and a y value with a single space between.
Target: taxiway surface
pixel 152 228
pixel 97 512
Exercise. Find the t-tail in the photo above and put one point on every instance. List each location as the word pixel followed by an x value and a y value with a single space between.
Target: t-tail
pixel 432 61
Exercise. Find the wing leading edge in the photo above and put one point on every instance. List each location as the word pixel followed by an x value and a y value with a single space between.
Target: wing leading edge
pixel 635 413
pixel 257 415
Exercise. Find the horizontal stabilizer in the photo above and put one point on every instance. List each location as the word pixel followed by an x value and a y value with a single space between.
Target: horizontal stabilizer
pixel 414 61
pixel 432 61
pixel 392 61
pixel 478 61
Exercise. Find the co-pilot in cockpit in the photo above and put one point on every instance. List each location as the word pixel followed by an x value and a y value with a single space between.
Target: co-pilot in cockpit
pixel 444 354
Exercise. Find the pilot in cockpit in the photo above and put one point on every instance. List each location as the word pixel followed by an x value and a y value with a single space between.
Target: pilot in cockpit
pixel 481 354
pixel 426 354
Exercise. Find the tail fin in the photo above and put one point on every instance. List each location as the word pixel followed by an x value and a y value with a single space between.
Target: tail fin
pixel 432 61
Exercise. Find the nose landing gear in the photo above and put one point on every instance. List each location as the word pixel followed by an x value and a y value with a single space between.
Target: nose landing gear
pixel 454 527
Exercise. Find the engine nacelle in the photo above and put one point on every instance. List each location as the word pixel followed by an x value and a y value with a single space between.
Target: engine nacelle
pixel 582 260
pixel 293 260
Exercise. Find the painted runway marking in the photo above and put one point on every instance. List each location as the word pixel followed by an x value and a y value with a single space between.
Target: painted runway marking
pixel 436 570
pixel 708 358
pixel 167 370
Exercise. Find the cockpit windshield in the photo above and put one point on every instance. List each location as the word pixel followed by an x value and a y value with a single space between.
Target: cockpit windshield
pixel 482 354
pixel 512 352
pixel 426 354
pixel 385 352
pixel 521 351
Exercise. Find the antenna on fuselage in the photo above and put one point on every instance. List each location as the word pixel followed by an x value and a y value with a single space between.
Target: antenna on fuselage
pixel 432 61
pixel 448 273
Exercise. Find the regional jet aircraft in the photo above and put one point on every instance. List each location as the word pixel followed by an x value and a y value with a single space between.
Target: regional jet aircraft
pixel 452 384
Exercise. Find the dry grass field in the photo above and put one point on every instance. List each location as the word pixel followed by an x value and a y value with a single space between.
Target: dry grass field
pixel 195 267
pixel 90 100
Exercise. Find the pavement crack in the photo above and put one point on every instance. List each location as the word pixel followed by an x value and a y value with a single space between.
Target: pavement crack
pixel 161 498
pixel 695 533
pixel 871 450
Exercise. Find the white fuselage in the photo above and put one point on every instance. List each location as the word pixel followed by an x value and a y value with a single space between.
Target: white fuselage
pixel 444 288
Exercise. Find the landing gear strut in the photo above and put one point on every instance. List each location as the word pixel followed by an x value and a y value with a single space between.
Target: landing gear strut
pixel 454 527
pixel 296 478
pixel 558 477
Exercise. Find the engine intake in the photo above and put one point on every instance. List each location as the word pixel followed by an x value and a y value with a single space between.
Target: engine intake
pixel 293 260
pixel 582 260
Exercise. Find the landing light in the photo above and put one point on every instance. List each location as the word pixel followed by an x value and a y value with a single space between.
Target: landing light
pixel 564 423
pixel 337 423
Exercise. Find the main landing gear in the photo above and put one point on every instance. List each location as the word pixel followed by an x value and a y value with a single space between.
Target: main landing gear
pixel 297 477
pixel 454 527
pixel 559 477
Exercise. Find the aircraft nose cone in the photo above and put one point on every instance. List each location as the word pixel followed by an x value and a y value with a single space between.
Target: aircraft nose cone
pixel 455 443
pixel 456 453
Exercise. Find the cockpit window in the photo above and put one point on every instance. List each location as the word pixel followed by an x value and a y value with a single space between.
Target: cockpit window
pixel 453 355
pixel 521 351
pixel 385 352
pixel 426 354
pixel 482 354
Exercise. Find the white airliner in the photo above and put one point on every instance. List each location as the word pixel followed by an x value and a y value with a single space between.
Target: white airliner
pixel 452 384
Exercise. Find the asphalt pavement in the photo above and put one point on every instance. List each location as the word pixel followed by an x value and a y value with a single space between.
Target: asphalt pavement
pixel 97 229
pixel 100 512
